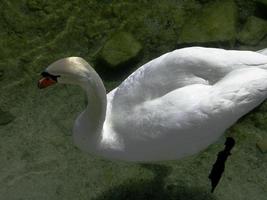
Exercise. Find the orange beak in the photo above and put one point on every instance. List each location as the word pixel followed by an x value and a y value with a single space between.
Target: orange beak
pixel 45 82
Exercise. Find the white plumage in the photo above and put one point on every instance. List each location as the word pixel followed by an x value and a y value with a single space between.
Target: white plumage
pixel 171 107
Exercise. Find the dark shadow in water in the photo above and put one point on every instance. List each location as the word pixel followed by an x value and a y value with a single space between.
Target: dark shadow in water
pixel 154 188
pixel 118 74
pixel 260 10
pixel 217 44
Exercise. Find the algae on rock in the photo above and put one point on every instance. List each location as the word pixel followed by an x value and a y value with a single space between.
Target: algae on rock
pixel 122 48
pixel 253 31
pixel 215 23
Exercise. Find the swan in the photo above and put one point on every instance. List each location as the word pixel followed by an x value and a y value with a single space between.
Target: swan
pixel 171 107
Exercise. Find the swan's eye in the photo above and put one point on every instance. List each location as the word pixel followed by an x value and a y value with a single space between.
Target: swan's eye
pixel 49 76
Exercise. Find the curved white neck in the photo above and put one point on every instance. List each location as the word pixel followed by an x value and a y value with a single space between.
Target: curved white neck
pixel 89 125
pixel 97 102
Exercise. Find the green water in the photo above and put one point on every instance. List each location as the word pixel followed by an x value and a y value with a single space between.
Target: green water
pixel 37 157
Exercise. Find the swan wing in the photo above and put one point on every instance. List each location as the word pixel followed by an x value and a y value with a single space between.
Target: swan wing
pixel 188 119
pixel 179 68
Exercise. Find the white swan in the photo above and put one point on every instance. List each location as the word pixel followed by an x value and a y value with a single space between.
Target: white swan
pixel 173 106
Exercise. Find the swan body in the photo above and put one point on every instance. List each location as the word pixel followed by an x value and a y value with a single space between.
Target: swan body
pixel 173 106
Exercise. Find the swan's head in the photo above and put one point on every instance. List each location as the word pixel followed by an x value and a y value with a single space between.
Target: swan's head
pixel 71 70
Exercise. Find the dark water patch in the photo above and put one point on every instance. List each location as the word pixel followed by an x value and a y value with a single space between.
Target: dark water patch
pixel 154 188
pixel 261 10
pixel 108 74
pixel 5 117
pixel 1 73
pixel 215 44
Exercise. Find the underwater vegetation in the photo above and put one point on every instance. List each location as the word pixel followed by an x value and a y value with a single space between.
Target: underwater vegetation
pixel 37 157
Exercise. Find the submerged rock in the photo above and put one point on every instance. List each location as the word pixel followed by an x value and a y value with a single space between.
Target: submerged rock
pixel 34 5
pixel 262 145
pixel 253 31
pixel 121 49
pixel 5 117
pixel 215 23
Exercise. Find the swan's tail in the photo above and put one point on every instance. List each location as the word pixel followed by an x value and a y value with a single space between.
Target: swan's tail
pixel 263 51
